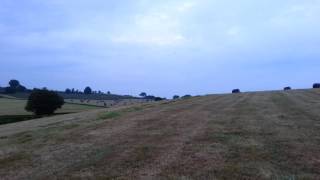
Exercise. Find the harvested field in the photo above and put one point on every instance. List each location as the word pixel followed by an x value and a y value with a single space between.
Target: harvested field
pixel 265 135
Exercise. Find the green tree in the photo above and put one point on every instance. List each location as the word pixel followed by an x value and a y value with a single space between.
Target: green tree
pixel 44 102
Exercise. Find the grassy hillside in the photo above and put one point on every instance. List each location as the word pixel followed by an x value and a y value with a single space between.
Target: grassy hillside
pixel 267 135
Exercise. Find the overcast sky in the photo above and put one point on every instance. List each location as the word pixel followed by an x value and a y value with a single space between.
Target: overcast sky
pixel 163 47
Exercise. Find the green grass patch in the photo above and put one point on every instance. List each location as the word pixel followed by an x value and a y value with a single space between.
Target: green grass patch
pixel 6 119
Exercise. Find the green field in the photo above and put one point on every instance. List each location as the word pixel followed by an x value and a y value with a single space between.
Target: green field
pixel 12 110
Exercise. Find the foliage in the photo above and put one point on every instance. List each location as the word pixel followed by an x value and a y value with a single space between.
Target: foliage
pixel 287 88
pixel 68 91
pixel 235 91
pixel 14 87
pixel 159 99
pixel 143 94
pixel 44 102
pixel 316 85
pixel 88 90
pixel 14 83
pixel 176 97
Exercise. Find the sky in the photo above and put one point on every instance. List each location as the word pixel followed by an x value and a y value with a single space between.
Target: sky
pixel 162 47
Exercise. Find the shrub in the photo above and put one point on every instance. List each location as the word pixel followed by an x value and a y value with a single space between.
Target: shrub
pixel 316 85
pixel 287 88
pixel 44 102
pixel 235 91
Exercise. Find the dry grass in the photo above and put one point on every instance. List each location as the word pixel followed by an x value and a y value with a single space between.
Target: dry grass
pixel 269 135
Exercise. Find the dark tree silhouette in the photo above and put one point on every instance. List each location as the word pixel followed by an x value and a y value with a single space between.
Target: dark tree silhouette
pixel 9 90
pixel 68 91
pixel 159 99
pixel 316 85
pixel 88 90
pixel 235 91
pixel 287 88
pixel 44 102
pixel 176 97
pixel 143 94
pixel 21 88
pixel 14 83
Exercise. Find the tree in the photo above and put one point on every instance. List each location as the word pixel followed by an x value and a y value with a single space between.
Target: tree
pixel 9 90
pixel 88 90
pixel 14 86
pixel 176 97
pixel 287 88
pixel 159 99
pixel 316 85
pixel 236 91
pixel 21 88
pixel 68 91
pixel 14 83
pixel 44 102
pixel 108 92
pixel 143 94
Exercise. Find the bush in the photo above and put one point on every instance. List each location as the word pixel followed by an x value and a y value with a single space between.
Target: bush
pixel 44 102
pixel 235 91
pixel 316 85
pixel 287 88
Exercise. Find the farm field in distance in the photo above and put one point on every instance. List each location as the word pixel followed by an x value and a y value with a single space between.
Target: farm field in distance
pixel 263 135
pixel 12 110
pixel 16 107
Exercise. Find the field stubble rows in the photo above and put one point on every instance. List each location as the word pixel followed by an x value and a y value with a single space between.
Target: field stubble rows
pixel 268 135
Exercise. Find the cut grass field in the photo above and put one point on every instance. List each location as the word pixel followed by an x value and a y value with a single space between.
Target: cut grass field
pixel 12 110
pixel 266 135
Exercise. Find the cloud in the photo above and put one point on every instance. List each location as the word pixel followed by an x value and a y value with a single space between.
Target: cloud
pixel 186 6
pixel 160 26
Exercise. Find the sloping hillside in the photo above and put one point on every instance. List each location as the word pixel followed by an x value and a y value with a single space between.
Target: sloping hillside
pixel 241 136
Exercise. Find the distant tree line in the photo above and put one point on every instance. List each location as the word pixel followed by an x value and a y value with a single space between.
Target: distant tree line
pixel 87 90
pixel 14 86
